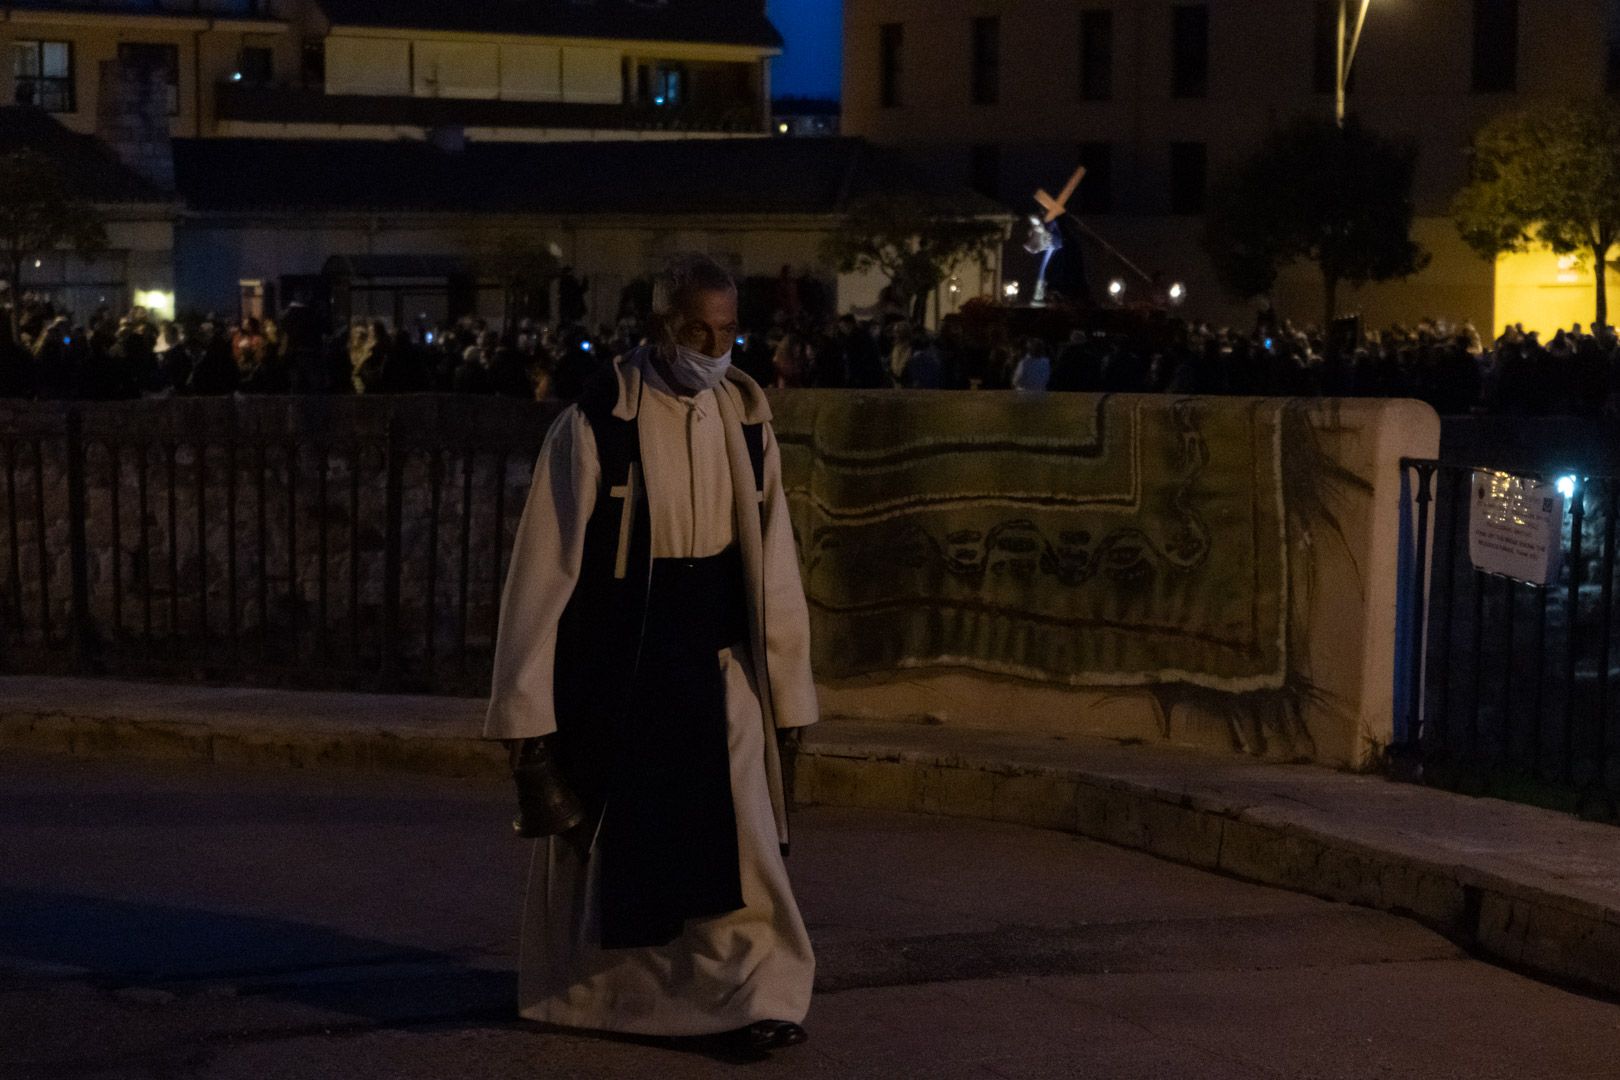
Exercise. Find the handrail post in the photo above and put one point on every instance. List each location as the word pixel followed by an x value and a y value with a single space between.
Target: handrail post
pixel 393 526
pixel 1413 727
pixel 83 630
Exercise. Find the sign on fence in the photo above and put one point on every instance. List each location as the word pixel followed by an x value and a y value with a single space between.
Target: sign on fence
pixel 1516 527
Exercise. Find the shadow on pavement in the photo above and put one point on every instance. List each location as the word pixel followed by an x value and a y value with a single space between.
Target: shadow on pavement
pixel 118 944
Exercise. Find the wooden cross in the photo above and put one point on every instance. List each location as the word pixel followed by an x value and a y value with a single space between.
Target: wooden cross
pixel 1056 208
pixel 627 492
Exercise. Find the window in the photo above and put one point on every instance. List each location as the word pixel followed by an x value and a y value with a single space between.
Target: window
pixel 1096 192
pixel 1496 46
pixel 164 59
pixel 44 74
pixel 312 63
pixel 891 37
pixel 1189 51
pixel 1189 175
pixel 984 167
pixel 1096 55
pixel 1326 47
pixel 256 67
pixel 986 60
pixel 662 86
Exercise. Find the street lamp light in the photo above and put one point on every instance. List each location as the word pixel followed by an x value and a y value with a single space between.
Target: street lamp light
pixel 1348 41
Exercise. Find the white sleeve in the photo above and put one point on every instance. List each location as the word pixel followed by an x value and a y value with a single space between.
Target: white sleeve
pixel 787 616
pixel 545 567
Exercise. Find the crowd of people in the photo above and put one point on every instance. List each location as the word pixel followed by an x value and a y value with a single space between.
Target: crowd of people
pixel 108 356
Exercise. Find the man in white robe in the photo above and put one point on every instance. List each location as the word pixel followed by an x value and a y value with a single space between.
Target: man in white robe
pixel 587 612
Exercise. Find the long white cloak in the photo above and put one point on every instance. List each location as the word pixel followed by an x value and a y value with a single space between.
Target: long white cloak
pixel 722 972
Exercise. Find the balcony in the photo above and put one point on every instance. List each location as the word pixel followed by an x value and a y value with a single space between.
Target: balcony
pixel 296 105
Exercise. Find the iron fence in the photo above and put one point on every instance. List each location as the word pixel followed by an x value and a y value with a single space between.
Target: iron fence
pixel 1509 688
pixel 354 543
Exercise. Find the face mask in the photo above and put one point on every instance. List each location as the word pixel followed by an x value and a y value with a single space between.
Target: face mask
pixel 698 370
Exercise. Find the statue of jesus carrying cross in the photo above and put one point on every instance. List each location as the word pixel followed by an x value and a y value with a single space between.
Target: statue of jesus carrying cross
pixel 1048 237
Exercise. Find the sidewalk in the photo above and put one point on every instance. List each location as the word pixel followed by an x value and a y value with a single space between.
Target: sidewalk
pixel 1527 887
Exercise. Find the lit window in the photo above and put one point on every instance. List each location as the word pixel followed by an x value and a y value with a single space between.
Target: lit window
pixel 44 74
pixel 668 87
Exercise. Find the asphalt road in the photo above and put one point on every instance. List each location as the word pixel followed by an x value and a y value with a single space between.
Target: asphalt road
pixel 192 921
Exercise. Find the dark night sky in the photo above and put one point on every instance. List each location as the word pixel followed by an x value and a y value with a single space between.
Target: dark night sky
pixel 812 63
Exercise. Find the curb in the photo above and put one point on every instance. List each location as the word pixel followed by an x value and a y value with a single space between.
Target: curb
pixel 365 750
pixel 1557 936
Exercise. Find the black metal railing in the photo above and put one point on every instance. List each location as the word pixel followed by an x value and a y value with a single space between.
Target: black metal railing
pixel 1508 688
pixel 284 104
pixel 323 542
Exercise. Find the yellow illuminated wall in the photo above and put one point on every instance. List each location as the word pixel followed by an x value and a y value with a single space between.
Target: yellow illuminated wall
pixel 1546 291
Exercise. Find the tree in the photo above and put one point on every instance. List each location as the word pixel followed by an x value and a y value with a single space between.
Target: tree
pixel 1313 192
pixel 915 241
pixel 1550 175
pixel 38 215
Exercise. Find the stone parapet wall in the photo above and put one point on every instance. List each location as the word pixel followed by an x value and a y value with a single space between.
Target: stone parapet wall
pixel 1213 571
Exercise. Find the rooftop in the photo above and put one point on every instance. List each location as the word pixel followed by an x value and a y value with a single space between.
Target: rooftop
pixel 92 170
pixel 685 176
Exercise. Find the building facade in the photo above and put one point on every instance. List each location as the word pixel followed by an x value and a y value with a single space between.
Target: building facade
pixel 1158 97
pixel 371 156
pixel 558 69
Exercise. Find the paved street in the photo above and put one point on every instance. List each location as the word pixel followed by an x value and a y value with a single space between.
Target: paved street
pixel 193 921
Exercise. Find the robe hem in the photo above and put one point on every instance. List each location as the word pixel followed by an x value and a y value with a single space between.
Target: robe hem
pixel 714 1024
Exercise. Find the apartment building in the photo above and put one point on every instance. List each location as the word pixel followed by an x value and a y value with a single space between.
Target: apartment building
pixel 546 69
pixel 1158 97
pixel 349 150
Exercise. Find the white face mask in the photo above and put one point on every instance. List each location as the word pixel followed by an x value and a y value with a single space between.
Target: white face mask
pixel 698 370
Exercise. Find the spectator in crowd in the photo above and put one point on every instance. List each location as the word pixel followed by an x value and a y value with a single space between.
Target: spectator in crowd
pixel 1078 367
pixel 213 370
pixel 171 367
pixel 1034 369
pixel 508 374
pixel 862 362
pixel 368 355
pixel 924 371
pixel 899 352
pixel 794 359
pixel 54 355
pixel 304 347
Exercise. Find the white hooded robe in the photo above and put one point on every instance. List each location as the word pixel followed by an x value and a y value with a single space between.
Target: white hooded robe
pixel 730 970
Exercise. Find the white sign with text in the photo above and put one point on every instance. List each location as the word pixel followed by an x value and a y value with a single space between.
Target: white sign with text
pixel 1516 527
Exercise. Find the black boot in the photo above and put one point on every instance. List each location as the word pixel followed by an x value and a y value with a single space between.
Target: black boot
pixel 763 1036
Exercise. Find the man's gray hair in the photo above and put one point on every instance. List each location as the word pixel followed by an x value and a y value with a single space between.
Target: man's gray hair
pixel 682 278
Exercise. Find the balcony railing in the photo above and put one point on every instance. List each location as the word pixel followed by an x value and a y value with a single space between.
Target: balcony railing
pixel 296 105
